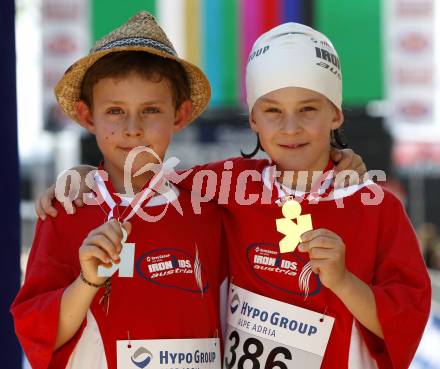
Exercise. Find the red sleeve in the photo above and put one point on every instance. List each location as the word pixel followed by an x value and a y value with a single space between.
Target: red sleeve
pixel 198 176
pixel 217 181
pixel 402 289
pixel 224 257
pixel 50 269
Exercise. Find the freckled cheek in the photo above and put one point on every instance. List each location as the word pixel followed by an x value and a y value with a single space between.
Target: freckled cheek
pixel 108 135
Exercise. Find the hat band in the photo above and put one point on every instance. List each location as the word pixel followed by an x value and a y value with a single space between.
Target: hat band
pixel 138 41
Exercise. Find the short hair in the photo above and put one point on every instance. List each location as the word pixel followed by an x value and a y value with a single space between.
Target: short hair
pixel 152 67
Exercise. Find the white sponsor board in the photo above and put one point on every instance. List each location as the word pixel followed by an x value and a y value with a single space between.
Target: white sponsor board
pixel 411 45
pixel 65 39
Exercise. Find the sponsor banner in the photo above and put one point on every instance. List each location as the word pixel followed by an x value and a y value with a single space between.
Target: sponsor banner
pixel 265 332
pixel 203 353
pixel 411 53
pixel 65 38
pixel 417 156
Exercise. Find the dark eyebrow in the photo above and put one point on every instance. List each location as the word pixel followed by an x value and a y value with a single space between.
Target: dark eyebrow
pixel 267 100
pixel 308 101
pixel 152 102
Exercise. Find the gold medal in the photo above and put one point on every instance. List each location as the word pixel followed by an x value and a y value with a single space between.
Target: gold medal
pixel 293 225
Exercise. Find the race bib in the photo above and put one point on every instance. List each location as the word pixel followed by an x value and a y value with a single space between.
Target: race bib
pixel 266 333
pixel 203 353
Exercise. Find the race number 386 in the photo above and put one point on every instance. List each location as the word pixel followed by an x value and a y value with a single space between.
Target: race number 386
pixel 248 352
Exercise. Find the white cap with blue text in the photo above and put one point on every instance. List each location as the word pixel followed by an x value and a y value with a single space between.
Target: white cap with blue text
pixel 293 55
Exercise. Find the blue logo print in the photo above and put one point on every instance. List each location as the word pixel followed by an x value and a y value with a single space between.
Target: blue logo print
pixel 235 303
pixel 142 357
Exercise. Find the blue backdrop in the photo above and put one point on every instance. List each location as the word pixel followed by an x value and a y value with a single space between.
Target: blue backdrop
pixel 9 189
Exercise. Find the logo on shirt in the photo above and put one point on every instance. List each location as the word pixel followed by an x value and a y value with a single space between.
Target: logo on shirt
pixel 142 357
pixel 235 303
pixel 288 272
pixel 173 268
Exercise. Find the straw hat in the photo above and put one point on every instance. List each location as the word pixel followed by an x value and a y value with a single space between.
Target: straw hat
pixel 140 33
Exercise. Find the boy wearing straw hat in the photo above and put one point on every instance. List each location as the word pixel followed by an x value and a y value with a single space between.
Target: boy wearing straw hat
pixel 105 288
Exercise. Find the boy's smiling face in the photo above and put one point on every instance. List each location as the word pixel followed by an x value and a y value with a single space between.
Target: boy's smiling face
pixel 294 126
pixel 128 112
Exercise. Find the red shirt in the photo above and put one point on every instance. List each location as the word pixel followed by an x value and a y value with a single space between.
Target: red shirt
pixel 381 250
pixel 160 301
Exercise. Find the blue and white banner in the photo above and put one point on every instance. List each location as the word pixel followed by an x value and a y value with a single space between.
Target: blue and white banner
pixel 428 353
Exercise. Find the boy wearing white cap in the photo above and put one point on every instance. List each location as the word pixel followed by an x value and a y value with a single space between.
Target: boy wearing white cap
pixel 93 298
pixel 320 277
pixel 355 292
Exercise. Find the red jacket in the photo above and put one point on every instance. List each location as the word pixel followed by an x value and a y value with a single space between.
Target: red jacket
pixel 381 249
pixel 151 305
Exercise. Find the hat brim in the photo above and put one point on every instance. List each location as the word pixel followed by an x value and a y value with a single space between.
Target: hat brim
pixel 68 88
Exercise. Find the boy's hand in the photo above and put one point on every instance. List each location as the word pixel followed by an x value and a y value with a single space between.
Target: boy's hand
pixel 327 256
pixel 347 159
pixel 102 246
pixel 43 204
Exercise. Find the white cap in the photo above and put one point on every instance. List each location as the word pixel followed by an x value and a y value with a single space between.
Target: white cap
pixel 293 55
